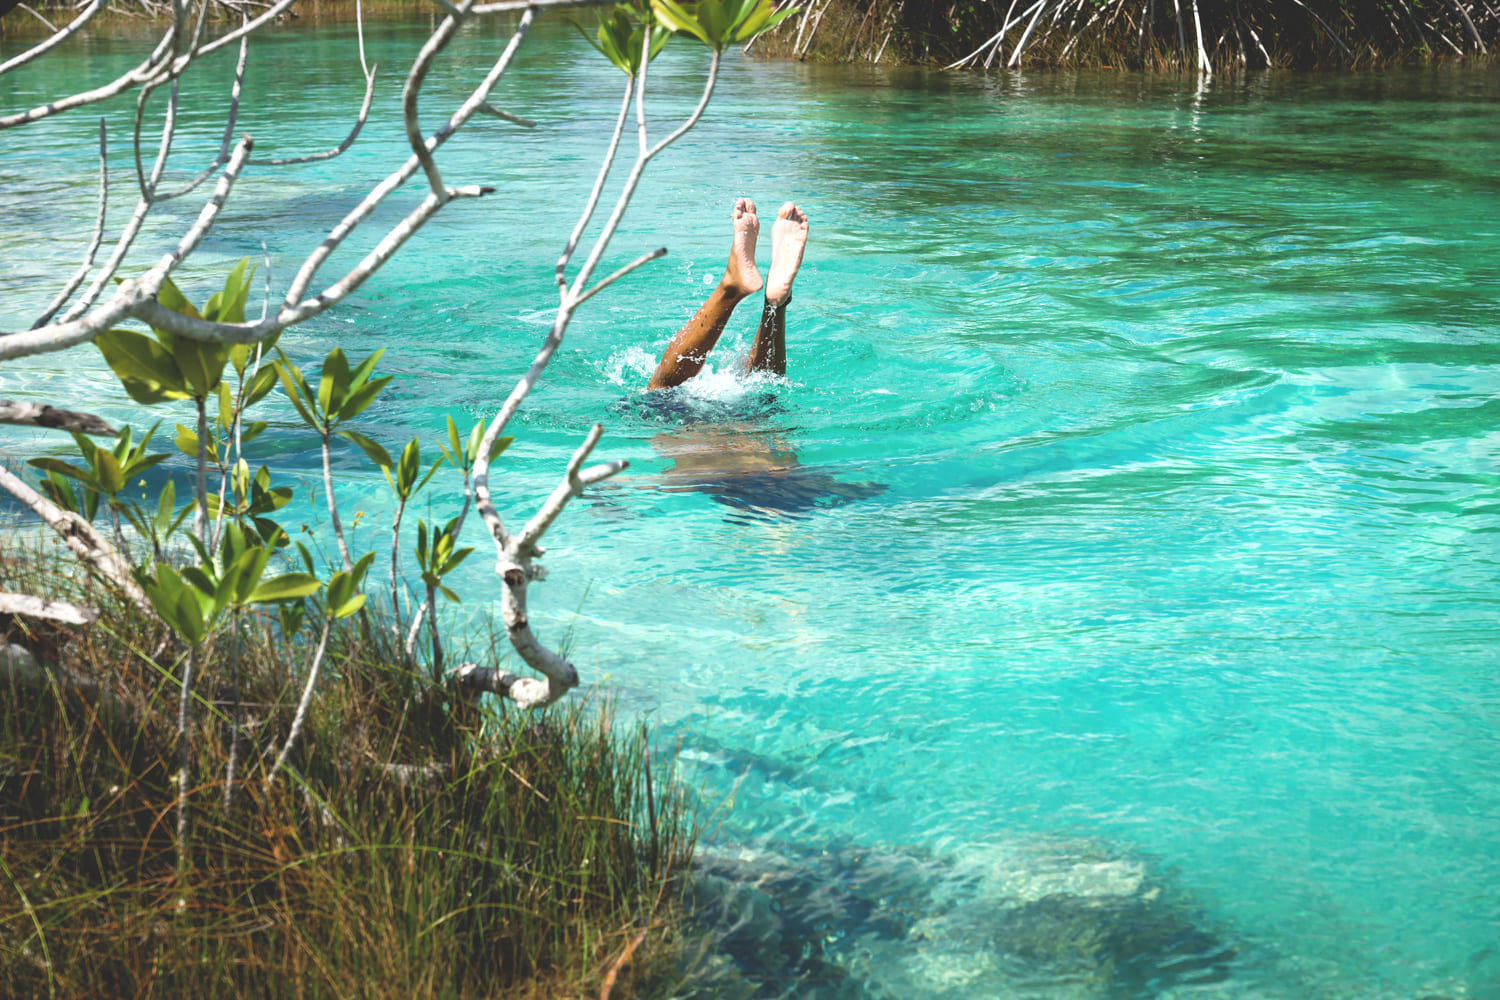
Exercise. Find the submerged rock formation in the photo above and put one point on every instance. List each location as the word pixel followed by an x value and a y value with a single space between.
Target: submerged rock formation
pixel 1043 920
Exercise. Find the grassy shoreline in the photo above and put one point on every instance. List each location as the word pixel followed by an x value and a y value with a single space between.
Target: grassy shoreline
pixel 423 846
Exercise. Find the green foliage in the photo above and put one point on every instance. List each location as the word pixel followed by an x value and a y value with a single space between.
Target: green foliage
pixel 342 394
pixel 622 32
pixel 106 472
pixel 463 451
pixel 438 555
pixel 192 600
pixel 343 597
pixel 721 23
pixel 252 499
pixel 171 367
pixel 621 35
pixel 59 490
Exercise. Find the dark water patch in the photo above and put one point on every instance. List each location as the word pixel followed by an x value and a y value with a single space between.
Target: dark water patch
pixel 1040 919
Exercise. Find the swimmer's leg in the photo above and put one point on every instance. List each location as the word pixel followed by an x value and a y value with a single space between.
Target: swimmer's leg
pixel 688 350
pixel 788 239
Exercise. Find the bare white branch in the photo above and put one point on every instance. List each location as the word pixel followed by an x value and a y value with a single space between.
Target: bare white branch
pixel 85 543
pixel 359 124
pixel 644 259
pixel 224 144
pixel 381 191
pixel 135 294
pixel 606 162
pixel 494 112
pixel 47 609
pixel 145 71
pixel 58 37
pixel 435 44
pixel 62 297
pixel 25 414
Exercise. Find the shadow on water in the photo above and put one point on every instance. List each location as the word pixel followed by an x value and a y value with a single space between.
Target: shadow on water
pixel 730 451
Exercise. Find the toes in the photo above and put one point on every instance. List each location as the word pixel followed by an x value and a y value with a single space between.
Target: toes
pixel 791 213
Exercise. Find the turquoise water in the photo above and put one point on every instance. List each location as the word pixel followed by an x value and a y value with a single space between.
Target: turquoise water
pixel 1148 493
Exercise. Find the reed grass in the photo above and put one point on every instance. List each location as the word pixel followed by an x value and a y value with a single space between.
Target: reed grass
pixel 421 847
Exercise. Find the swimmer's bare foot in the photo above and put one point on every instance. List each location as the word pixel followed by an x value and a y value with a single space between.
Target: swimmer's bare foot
pixel 741 277
pixel 685 355
pixel 788 239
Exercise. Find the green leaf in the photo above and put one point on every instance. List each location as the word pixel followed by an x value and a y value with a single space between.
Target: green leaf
pixel 249 432
pixel 361 372
pixel 604 41
pixel 449 594
pixel 373 449
pixel 175 603
pixel 187 443
pixel 271 533
pixel 121 446
pixel 228 306
pixel 360 398
pixel 452 562
pixel 287 587
pixel 291 615
pixel 457 451
pixel 144 367
pixel 141 464
pixel 333 384
pixel 298 391
pixel 107 468
pixel 226 406
pixel 61 468
pixel 200 580
pixel 349 607
pixel 260 385
pixel 252 566
pixel 341 590
pixel 166 500
pixel 361 567
pixel 172 298
pixel 673 16
pixel 201 364
pixel 715 21
pixel 408 468
pixel 188 612
pixel 759 17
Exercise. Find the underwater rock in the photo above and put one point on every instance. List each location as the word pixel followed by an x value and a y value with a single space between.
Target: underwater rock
pixel 1047 920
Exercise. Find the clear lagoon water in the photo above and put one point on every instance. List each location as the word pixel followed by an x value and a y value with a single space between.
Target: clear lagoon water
pixel 1148 458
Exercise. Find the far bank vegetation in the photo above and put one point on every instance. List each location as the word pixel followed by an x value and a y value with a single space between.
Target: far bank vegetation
pixel 1194 35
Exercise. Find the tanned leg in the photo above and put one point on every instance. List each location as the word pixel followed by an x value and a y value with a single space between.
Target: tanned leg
pixel 788 239
pixel 688 350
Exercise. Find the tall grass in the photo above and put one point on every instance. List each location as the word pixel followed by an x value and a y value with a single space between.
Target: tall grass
pixel 421 846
